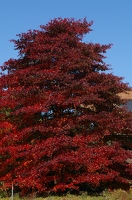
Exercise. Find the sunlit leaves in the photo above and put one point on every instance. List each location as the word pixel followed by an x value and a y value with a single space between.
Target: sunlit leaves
pixel 60 113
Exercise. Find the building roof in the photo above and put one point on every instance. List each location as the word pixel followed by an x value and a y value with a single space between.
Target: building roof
pixel 127 95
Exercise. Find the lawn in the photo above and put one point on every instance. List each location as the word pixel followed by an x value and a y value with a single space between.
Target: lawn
pixel 114 195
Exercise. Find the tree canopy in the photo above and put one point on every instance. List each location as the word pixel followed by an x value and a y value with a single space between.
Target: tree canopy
pixel 60 111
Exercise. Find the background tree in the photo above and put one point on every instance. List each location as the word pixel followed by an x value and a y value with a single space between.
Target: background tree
pixel 64 111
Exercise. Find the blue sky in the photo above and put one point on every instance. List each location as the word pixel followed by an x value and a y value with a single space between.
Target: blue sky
pixel 112 24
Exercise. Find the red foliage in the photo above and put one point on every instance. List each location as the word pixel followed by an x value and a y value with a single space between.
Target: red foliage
pixel 60 112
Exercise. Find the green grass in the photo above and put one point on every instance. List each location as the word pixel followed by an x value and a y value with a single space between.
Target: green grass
pixel 114 195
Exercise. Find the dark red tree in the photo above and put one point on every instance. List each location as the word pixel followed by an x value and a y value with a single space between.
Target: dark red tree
pixel 60 111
